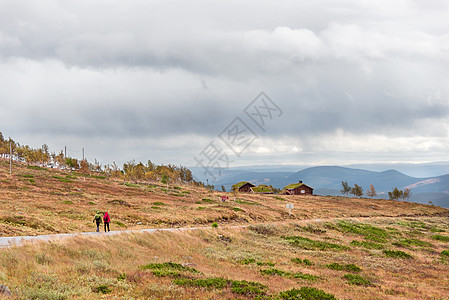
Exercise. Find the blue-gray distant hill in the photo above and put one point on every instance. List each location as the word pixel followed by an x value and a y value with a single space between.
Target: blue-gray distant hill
pixel 326 180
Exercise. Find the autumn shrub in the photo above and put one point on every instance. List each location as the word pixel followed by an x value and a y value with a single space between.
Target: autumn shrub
pixel 397 254
pixel 102 289
pixel 445 253
pixel 347 267
pixel 356 279
pixel 306 293
pixel 264 229
pixel 441 238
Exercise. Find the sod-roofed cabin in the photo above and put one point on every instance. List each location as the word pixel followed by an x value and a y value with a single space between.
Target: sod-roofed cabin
pixel 262 189
pixel 297 189
pixel 243 187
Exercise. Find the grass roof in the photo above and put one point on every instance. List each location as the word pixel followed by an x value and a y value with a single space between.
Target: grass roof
pixel 293 186
pixel 263 188
pixel 240 184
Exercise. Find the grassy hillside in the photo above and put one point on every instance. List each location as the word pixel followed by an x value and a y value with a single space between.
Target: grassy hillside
pixel 330 247
pixel 44 201
pixel 375 259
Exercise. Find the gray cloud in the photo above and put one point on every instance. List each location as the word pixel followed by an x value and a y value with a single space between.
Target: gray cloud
pixel 157 72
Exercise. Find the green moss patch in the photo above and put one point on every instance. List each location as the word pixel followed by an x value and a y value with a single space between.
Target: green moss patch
pixel 309 244
pixel 277 272
pixel 397 254
pixel 356 279
pixel 346 267
pixel 308 293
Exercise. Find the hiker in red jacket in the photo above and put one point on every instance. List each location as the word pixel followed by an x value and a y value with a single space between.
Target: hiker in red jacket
pixel 106 220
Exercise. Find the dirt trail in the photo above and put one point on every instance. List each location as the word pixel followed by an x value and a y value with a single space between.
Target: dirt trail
pixel 19 240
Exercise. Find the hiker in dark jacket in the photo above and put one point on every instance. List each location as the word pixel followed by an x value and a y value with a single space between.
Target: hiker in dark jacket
pixel 106 220
pixel 97 219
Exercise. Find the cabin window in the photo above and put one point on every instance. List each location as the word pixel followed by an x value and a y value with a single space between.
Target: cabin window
pixel 303 191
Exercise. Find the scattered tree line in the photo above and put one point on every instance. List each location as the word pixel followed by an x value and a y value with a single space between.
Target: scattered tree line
pixel 357 191
pixel 400 194
pixel 132 171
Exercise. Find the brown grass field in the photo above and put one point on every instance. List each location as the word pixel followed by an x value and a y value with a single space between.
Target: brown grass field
pixel 347 247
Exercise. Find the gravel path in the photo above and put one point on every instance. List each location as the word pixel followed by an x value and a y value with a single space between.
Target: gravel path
pixel 19 240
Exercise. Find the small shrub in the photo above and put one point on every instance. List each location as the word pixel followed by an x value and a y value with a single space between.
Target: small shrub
pixel 237 209
pixel 311 229
pixel 335 266
pixel 273 272
pixel 35 168
pixel 269 263
pixel 168 266
pixel 408 243
pixel 445 253
pixel 242 287
pixel 436 229
pixel 368 231
pixel 67 202
pixel 118 223
pixel 347 267
pixel 119 202
pixel 352 268
pixel 397 254
pixel 248 288
pixel 442 238
pixel 28 176
pixel 356 279
pixel 165 273
pixel 214 225
pixel 121 277
pixel 277 272
pixel 307 262
pixel 297 260
pixel 264 229
pixel 102 289
pixel 367 245
pixel 91 203
pixel 97 176
pixel 248 261
pixel 303 276
pixel 177 188
pixel 205 200
pixel 158 203
pixel 246 202
pixel 131 184
pixel 279 198
pixel 309 244
pixel 63 179
pixel 307 293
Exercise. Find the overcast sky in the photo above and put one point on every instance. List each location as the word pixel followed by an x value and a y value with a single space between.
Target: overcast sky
pixel 353 81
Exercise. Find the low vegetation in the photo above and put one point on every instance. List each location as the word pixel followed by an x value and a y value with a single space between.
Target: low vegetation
pixel 324 250
pixel 397 254
pixel 356 279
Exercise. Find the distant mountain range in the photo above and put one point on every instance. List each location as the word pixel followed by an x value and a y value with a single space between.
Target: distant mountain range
pixel 326 180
